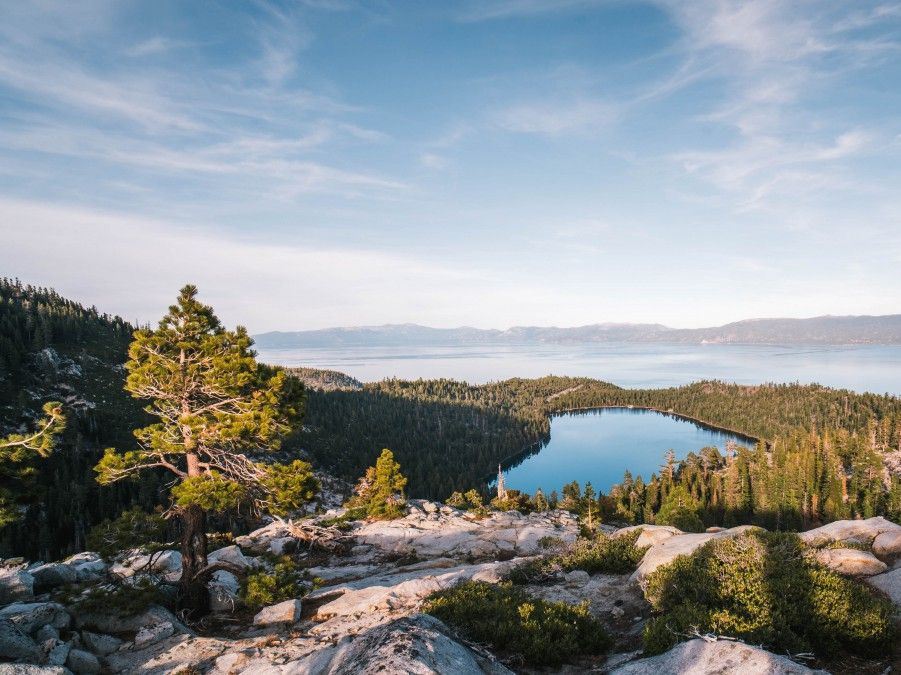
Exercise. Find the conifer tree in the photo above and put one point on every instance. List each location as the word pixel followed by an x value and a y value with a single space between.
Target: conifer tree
pixel 381 490
pixel 216 405
pixel 16 451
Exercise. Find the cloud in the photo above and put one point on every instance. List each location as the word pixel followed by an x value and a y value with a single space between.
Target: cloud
pixel 137 264
pixel 152 46
pixel 488 10
pixel 432 161
pixel 557 118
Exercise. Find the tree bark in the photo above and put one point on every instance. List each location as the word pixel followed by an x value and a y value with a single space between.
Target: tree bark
pixel 193 594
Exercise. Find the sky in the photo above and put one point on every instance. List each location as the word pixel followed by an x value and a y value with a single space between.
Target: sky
pixel 316 163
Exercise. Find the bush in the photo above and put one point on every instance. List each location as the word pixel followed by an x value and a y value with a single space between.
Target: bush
pixel 598 554
pixel 535 631
pixel 284 582
pixel 765 588
pixel 133 528
pixel 610 555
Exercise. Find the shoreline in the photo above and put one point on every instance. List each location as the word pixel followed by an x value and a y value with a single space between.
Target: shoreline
pixel 539 444
pixel 671 413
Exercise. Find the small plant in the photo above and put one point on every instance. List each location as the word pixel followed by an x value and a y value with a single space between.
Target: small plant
pixel 284 582
pixel 763 588
pixel 549 542
pixel 533 631
pixel 470 501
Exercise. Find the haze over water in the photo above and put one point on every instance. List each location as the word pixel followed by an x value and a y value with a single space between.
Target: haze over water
pixel 873 368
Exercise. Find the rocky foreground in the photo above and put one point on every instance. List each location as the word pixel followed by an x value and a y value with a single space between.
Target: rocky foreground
pixel 365 616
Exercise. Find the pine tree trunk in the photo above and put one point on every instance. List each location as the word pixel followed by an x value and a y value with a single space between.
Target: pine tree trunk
pixel 192 590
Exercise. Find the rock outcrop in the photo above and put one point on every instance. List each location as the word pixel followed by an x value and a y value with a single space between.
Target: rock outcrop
pixel 431 531
pixel 851 562
pixel 879 534
pixel 366 616
pixel 719 657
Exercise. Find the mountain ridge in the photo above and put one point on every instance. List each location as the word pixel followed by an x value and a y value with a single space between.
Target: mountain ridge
pixel 826 329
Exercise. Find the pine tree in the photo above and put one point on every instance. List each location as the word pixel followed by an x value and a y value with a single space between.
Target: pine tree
pixel 215 405
pixel 381 489
pixel 16 453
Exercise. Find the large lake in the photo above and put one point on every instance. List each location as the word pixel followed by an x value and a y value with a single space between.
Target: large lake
pixel 598 445
pixel 861 368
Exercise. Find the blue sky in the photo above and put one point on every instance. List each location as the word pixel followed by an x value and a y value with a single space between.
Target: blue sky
pixel 543 162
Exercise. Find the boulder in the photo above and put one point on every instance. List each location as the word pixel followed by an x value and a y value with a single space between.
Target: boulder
pixel 231 555
pixel 259 541
pixel 15 586
pixel 87 565
pixel 147 635
pixel 851 562
pixel 100 644
pixel 889 583
pixel 58 653
pixel 45 633
pixel 417 644
pixel 31 669
pixel 650 534
pixel 166 564
pixel 888 543
pixel 223 589
pixel 16 644
pixel 700 657
pixel 81 662
pixel 852 532
pixel 287 612
pixel 29 616
pixel 53 575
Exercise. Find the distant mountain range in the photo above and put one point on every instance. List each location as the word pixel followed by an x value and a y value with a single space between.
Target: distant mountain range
pixel 822 330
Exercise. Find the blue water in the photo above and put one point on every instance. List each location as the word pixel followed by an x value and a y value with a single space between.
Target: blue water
pixel 874 368
pixel 599 445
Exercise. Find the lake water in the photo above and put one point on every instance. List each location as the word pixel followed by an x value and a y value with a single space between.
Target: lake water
pixel 598 445
pixel 873 368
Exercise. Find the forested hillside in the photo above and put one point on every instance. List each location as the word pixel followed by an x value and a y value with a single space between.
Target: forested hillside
pixel 52 348
pixel 826 454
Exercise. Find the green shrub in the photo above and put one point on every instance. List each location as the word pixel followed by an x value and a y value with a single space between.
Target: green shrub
pixel 535 631
pixel 133 528
pixel 763 588
pixel 284 582
pixel 598 554
pixel 610 555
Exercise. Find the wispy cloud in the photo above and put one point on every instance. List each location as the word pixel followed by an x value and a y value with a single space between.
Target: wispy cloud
pixel 155 45
pixel 557 118
pixel 505 9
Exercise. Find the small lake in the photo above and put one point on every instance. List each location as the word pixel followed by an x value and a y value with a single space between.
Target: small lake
pixel 598 445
